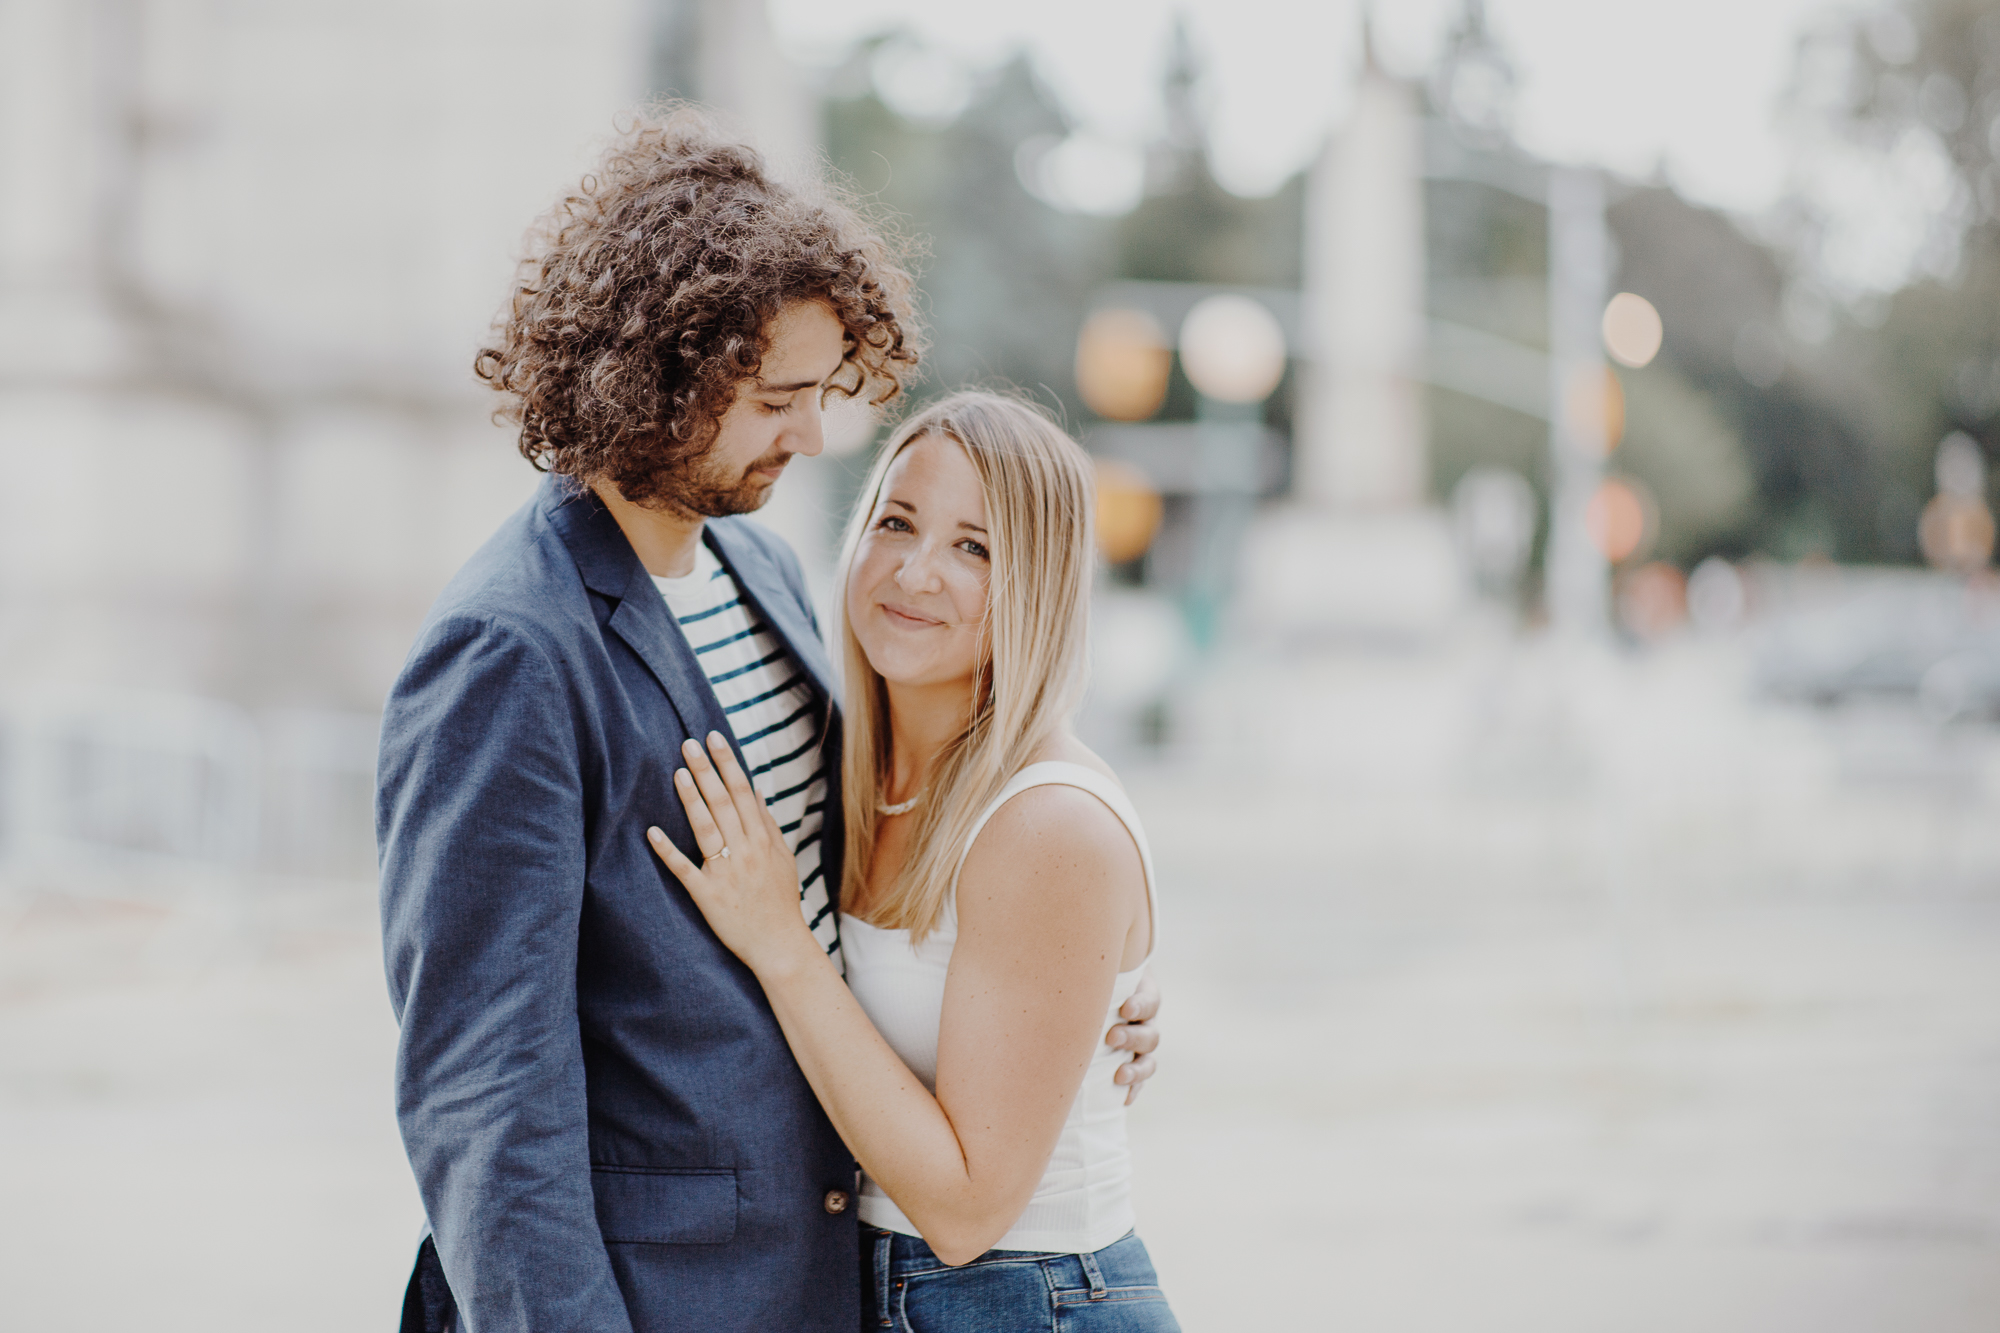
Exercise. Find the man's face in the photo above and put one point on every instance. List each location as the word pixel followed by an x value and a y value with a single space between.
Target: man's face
pixel 775 415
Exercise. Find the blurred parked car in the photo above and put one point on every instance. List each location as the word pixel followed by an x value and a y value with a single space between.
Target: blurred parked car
pixel 1965 685
pixel 1931 638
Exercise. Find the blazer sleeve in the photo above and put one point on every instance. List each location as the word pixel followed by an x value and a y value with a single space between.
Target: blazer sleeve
pixel 480 821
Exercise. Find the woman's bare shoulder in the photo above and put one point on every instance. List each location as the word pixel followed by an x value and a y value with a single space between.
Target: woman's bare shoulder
pixel 1054 815
pixel 1066 748
pixel 1057 833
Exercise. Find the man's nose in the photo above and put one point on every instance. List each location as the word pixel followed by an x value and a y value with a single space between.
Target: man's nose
pixel 809 436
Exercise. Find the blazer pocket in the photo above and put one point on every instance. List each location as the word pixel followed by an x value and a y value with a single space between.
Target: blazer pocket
pixel 640 1206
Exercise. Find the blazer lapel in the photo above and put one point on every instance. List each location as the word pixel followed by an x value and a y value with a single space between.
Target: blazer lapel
pixel 760 580
pixel 641 618
pixel 650 630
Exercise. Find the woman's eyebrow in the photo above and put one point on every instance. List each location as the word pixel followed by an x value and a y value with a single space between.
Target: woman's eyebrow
pixel 974 527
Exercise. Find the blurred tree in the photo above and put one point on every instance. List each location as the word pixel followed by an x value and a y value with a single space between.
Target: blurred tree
pixel 1007 277
pixel 1910 89
pixel 1487 270
pixel 1188 228
pixel 1473 83
pixel 1682 444
pixel 1752 438
pixel 1688 414
pixel 1719 292
pixel 1487 252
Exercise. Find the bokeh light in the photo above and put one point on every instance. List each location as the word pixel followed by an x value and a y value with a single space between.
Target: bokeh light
pixel 1618 518
pixel 1960 466
pixel 1632 330
pixel 1232 349
pixel 1129 511
pixel 1595 395
pixel 1716 596
pixel 1652 601
pixel 1956 532
pixel 1082 173
pixel 1122 364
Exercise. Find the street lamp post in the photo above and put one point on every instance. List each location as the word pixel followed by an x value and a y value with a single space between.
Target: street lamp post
pixel 1578 587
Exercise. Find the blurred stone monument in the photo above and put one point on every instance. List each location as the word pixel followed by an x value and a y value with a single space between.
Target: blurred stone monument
pixel 247 257
pixel 1361 553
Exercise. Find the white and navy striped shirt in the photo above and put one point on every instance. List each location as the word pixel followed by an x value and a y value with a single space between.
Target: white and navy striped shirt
pixel 768 700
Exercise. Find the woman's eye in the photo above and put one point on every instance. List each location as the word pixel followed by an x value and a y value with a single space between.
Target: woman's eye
pixel 777 409
pixel 974 548
pixel 894 523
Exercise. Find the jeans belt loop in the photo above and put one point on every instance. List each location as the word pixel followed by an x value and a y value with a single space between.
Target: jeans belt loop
pixel 884 1243
pixel 1095 1276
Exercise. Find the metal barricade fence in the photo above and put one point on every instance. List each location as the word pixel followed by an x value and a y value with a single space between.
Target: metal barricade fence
pixel 131 783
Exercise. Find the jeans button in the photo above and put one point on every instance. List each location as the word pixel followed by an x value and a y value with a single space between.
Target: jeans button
pixel 837 1200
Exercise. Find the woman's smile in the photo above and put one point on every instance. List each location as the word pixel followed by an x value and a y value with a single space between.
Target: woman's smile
pixel 910 618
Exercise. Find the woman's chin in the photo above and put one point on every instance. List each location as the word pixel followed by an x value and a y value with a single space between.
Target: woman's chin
pixel 903 676
pixel 916 675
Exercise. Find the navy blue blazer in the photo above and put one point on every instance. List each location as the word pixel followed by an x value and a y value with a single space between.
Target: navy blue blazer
pixel 607 1128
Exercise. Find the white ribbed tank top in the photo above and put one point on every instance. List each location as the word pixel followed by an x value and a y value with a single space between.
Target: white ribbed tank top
pixel 1084 1200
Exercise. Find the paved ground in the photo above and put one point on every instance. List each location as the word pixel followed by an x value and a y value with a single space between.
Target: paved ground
pixel 195 1127
pixel 1514 992
pixel 1507 990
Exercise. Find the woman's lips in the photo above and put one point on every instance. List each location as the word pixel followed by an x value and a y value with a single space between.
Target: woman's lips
pixel 910 618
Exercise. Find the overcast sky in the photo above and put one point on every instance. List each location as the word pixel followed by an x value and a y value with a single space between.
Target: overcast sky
pixel 1690 85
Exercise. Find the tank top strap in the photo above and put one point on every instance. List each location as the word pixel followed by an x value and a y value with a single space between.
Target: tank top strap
pixel 1063 773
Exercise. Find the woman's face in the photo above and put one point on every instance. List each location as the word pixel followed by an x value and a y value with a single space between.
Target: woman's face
pixel 916 593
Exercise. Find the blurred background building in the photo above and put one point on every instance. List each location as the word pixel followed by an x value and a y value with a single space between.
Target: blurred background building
pixel 1563 604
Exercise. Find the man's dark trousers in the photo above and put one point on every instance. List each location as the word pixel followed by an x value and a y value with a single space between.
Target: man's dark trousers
pixel 606 1126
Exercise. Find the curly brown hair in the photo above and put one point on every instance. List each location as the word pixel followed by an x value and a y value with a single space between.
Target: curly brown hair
pixel 647 294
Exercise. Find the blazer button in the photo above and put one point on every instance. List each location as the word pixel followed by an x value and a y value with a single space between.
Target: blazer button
pixel 837 1200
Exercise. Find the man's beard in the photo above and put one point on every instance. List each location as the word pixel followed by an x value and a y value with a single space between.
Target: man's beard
pixel 706 489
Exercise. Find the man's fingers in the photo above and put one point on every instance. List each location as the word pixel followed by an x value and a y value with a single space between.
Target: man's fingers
pixel 1132 1073
pixel 720 804
pixel 1136 1070
pixel 1144 1006
pixel 1139 1038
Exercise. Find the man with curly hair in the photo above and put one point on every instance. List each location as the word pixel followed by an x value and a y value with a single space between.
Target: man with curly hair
pixel 607 1128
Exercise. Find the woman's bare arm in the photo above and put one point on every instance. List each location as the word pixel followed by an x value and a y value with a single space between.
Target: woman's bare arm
pixel 1045 903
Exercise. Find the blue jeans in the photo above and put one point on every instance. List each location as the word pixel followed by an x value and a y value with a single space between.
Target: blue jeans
pixel 908 1289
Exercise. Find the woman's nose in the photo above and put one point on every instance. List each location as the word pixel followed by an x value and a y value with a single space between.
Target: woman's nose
pixel 918 571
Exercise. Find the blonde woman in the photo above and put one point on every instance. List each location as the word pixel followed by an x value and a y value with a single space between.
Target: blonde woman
pixel 997 900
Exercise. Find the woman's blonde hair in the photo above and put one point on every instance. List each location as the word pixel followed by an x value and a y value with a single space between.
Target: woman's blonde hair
pixel 1035 655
